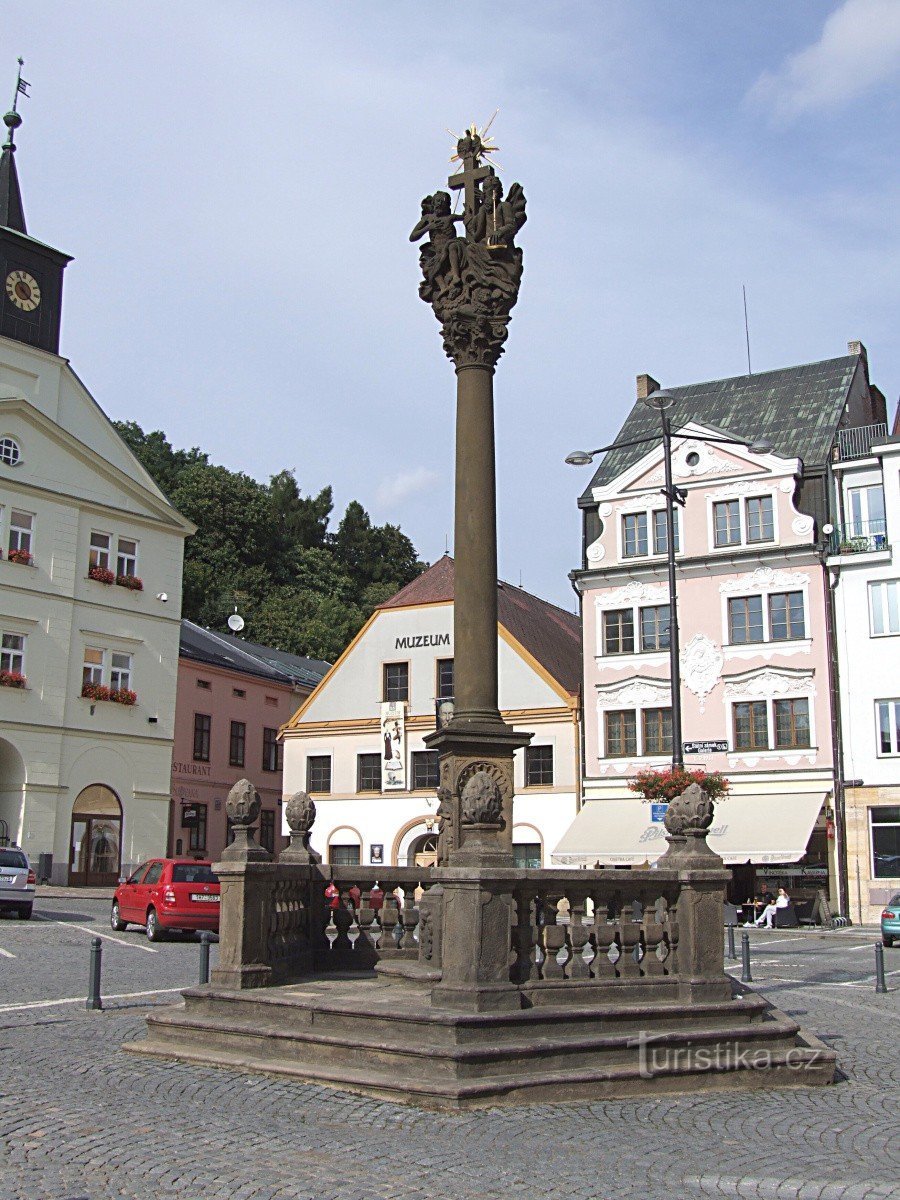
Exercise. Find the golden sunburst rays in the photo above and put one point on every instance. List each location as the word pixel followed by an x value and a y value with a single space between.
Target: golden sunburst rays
pixel 485 144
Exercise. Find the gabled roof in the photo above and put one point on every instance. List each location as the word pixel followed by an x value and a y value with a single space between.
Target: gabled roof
pixel 549 634
pixel 234 654
pixel 796 408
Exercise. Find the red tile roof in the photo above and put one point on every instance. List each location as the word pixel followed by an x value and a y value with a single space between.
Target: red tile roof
pixel 551 635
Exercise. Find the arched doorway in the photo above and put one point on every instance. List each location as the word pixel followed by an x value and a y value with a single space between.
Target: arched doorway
pixel 96 838
pixel 12 791
pixel 423 851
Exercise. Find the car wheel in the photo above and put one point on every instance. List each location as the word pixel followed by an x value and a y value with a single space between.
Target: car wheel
pixel 154 929
pixel 115 920
pixel 25 912
pixel 888 941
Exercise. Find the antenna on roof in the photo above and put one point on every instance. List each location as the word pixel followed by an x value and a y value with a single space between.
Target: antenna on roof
pixel 520 576
pixel 746 329
pixel 446 543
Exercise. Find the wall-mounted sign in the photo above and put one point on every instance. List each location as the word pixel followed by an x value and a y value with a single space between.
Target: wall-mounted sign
pixel 414 641
pixel 376 855
pixel 189 816
pixel 704 747
pixel 658 812
pixel 393 737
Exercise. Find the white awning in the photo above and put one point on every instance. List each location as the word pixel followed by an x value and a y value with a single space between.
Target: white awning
pixel 755 829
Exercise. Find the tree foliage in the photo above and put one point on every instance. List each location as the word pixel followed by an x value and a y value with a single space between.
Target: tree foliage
pixel 268 550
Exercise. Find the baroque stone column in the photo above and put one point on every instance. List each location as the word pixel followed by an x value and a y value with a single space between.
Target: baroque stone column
pixel 471 279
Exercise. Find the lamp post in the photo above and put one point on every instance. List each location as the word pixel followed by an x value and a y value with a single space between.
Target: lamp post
pixel 661 401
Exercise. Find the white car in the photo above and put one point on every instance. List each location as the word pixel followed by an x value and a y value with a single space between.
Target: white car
pixel 16 881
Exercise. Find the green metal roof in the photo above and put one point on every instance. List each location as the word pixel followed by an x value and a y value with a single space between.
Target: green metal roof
pixel 796 408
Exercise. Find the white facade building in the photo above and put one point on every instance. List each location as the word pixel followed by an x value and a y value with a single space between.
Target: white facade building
pixel 356 744
pixel 90 597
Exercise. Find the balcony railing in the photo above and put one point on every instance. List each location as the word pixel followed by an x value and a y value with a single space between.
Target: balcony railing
pixel 859 538
pixel 857 442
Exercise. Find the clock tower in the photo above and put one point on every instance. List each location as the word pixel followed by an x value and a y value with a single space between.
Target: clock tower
pixel 31 272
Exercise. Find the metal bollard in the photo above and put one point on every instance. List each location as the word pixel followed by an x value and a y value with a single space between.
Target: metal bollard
pixel 205 939
pixel 746 977
pixel 732 953
pixel 93 998
pixel 880 984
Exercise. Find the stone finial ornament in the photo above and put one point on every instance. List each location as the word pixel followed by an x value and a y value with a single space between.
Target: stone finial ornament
pixel 687 820
pixel 300 813
pixel 243 806
pixel 481 800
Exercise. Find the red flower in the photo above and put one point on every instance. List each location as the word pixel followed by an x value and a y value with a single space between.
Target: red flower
pixel 14 679
pixel 101 574
pixel 131 582
pixel 99 691
pixel 667 784
pixel 20 556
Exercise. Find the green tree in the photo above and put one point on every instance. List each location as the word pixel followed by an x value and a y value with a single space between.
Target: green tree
pixel 156 455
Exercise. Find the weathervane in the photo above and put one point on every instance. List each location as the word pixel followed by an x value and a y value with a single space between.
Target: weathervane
pixel 12 120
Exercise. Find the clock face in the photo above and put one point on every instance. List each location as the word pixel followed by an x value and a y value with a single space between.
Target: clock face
pixel 23 290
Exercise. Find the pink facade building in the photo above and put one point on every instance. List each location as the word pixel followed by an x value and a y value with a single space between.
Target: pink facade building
pixel 233 697
pixel 754 621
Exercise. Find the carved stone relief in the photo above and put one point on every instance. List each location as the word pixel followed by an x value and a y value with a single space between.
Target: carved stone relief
pixel 768 682
pixel 701 666
pixel 764 578
pixel 634 593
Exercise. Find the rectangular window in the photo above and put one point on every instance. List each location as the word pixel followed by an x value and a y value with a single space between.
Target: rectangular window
pixel 271 756
pixel 99 553
pixel 760 519
pixel 634 534
pixel 538 766
pixel 396 681
pixel 751 725
pixel 655 627
pixel 204 684
pixel 12 653
pixel 656 725
pixel 661 534
pixel 866 511
pixel 425 769
pixel 727 523
pixel 885 842
pixel 202 730
pixel 197 839
pixel 791 723
pixel 786 618
pixel 237 744
pixel 126 558
pixel 368 772
pixel 527 856
pixel 21 527
pixel 621 733
pixel 884 599
pixel 745 620
pixel 888 726
pixel 92 671
pixel 239 692
pixel 618 631
pixel 267 830
pixel 318 773
pixel 445 679
pixel 343 855
pixel 120 671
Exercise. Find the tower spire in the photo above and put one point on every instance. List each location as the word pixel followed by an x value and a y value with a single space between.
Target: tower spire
pixel 12 214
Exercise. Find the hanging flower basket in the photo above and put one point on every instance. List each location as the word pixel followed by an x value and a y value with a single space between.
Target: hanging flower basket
pixel 666 785
pixel 13 679
pixel 23 557
pixel 101 574
pixel 99 691
pixel 131 582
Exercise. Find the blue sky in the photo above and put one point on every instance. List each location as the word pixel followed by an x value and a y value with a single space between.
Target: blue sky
pixel 237 183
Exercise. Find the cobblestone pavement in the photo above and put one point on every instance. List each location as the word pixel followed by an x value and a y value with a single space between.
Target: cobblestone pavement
pixel 79 1120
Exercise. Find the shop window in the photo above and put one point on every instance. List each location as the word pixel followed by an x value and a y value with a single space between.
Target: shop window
pixel 538 766
pixel 197 840
pixel 885 826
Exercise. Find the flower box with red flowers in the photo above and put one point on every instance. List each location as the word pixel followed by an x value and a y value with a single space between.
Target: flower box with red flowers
pixel 131 582
pixel 23 557
pixel 14 679
pixel 99 691
pixel 666 785
pixel 101 574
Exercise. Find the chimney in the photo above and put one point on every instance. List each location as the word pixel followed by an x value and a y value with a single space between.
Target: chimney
pixel 858 348
pixel 645 385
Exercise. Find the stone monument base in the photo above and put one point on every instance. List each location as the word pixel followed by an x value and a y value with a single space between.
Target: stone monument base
pixel 384 1036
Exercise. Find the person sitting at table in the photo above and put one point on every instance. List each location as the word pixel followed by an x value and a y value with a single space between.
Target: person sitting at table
pixel 754 906
pixel 767 915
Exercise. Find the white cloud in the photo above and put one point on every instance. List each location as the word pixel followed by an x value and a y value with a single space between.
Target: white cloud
pixel 401 487
pixel 859 48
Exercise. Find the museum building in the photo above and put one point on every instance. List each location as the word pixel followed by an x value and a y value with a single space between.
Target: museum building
pixel 357 743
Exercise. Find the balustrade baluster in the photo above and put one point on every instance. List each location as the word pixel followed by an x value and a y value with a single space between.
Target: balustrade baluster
pixel 409 919
pixel 579 936
pixel 524 938
pixel 390 923
pixel 629 941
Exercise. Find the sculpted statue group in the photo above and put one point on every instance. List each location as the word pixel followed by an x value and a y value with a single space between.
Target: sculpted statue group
pixel 470 263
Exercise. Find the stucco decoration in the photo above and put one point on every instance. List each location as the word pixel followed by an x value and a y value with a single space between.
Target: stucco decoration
pixel 802 525
pixel 605 509
pixel 642 502
pixel 634 692
pixel 596 551
pixel 740 487
pixel 769 682
pixel 634 593
pixel 787 486
pixel 763 579
pixel 709 462
pixel 701 666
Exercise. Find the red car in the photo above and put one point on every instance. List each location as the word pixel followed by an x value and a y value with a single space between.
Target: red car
pixel 168 893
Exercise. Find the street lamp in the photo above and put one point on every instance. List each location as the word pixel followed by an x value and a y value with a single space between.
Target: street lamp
pixel 661 401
